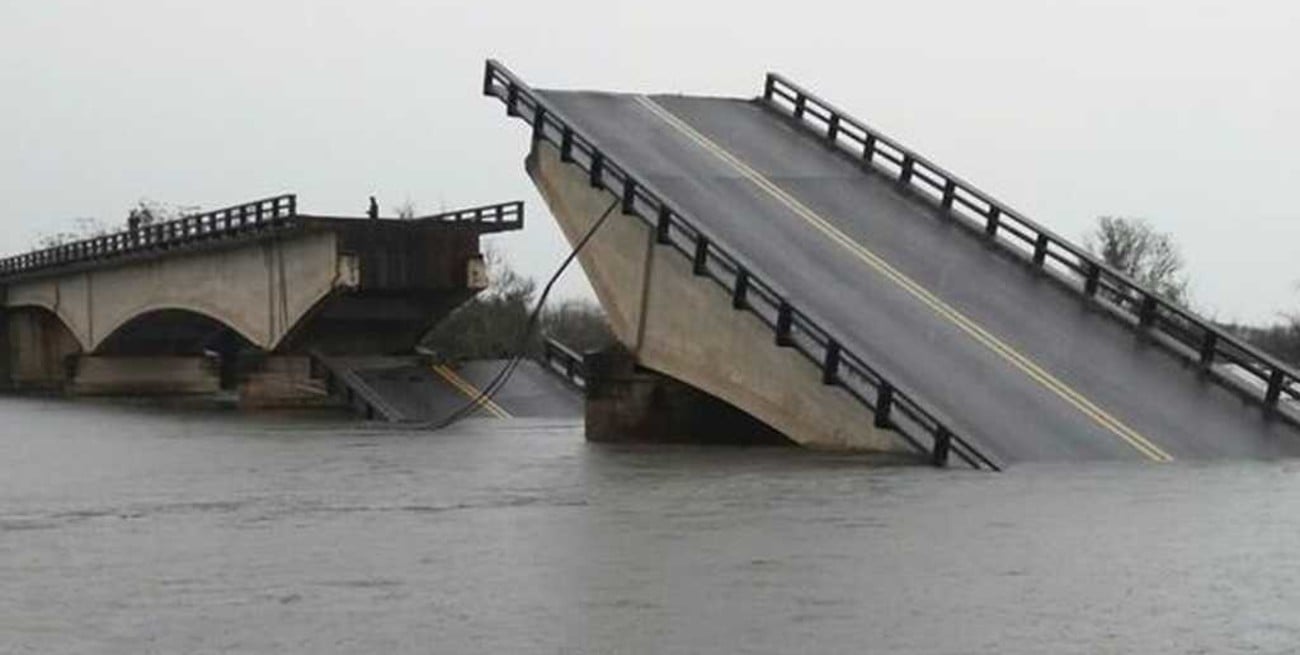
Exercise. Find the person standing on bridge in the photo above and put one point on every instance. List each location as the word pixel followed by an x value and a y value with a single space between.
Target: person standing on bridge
pixel 373 211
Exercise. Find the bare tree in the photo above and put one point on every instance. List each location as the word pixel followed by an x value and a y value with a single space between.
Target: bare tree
pixel 578 324
pixel 1133 247
pixel 82 228
pixel 405 211
pixel 145 212
pixel 492 325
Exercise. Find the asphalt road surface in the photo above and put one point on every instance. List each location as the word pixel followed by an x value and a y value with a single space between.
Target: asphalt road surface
pixel 1023 367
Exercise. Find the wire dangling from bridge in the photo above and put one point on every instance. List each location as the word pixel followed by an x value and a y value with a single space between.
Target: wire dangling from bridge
pixel 499 380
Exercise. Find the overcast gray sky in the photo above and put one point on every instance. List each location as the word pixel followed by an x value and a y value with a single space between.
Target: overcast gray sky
pixel 1180 111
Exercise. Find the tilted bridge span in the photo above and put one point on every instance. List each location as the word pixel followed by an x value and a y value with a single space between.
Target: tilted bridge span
pixel 801 266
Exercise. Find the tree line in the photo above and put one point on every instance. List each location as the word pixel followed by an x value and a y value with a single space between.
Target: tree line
pixel 493 324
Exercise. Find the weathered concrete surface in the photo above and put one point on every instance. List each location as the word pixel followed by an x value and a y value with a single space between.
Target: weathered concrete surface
pixel 6 381
pixel 684 327
pixel 130 376
pixel 282 381
pixel 627 403
pixel 260 290
pixel 39 349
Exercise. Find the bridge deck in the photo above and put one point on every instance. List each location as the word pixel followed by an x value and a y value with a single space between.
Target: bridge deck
pixel 1021 365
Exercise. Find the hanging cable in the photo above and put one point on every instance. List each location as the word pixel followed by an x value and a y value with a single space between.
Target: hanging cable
pixel 499 380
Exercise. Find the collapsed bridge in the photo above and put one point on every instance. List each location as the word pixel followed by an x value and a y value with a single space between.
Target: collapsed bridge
pixel 801 266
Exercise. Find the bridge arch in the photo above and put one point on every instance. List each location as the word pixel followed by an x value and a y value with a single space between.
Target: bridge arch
pixel 174 329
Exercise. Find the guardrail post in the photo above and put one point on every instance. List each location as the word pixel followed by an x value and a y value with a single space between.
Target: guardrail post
pixel 949 194
pixel 664 225
pixel 769 87
pixel 699 265
pixel 992 221
pixel 539 123
pixel 784 320
pixel 488 79
pixel 742 287
pixel 833 128
pixel 1093 280
pixel 512 99
pixel 1274 393
pixel 566 145
pixel 905 170
pixel 800 103
pixel 884 405
pixel 831 364
pixel 868 150
pixel 942 446
pixel 1040 249
pixel 597 169
pixel 1147 312
pixel 1209 346
pixel 629 195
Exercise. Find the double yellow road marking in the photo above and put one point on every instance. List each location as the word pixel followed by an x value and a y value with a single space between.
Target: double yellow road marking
pixel 974 330
pixel 470 391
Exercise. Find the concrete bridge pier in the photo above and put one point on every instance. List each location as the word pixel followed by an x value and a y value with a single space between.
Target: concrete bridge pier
pixel 629 403
pixel 144 375
pixel 280 381
pixel 5 375
pixel 39 350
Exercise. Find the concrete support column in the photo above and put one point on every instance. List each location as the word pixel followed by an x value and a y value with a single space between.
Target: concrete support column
pixel 40 350
pixel 6 348
pixel 627 403
pixel 281 381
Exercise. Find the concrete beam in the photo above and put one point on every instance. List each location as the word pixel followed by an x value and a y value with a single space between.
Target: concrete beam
pixel 282 382
pixel 684 326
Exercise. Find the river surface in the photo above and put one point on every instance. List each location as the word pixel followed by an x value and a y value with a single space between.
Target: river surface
pixel 134 529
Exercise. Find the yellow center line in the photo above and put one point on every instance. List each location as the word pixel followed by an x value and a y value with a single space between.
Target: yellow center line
pixel 974 330
pixel 472 392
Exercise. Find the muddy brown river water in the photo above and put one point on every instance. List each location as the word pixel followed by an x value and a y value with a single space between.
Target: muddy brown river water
pixel 137 529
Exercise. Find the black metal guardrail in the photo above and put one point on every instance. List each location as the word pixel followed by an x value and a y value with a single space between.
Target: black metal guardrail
pixel 1141 308
pixel 506 214
pixel 893 406
pixel 564 362
pixel 275 213
pixel 260 215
